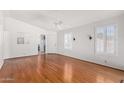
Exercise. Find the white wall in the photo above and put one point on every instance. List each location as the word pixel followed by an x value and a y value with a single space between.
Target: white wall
pixel 32 38
pixel 1 40
pixel 83 48
pixel 1 35
pixel 52 42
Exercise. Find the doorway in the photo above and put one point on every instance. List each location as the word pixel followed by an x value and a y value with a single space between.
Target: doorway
pixel 42 44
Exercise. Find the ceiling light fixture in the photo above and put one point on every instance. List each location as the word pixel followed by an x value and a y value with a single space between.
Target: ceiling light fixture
pixel 58 25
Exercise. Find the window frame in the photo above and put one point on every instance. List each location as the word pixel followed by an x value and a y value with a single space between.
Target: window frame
pixel 105 41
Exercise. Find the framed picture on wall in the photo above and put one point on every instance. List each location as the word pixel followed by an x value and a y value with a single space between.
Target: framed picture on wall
pixel 20 40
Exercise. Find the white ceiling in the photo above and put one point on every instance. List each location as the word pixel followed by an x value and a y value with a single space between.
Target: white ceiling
pixel 69 18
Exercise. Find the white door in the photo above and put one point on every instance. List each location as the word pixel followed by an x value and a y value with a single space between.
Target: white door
pixel 42 44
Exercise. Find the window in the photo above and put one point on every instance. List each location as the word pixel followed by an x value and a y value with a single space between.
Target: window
pixel 68 41
pixel 106 39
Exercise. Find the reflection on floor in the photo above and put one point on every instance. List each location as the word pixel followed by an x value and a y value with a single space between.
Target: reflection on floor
pixel 1 63
pixel 56 68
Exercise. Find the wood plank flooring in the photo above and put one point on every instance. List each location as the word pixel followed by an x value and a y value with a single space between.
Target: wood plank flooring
pixel 54 68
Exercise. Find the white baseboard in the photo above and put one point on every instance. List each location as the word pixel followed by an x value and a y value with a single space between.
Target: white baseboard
pixel 1 63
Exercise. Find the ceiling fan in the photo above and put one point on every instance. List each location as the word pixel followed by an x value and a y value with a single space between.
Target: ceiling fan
pixel 58 24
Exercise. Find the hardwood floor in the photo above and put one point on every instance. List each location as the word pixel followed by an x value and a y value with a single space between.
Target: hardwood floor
pixel 56 68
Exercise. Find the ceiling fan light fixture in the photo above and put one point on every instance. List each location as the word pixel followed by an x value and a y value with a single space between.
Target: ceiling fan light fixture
pixel 58 25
